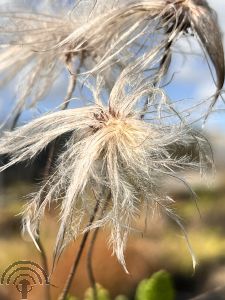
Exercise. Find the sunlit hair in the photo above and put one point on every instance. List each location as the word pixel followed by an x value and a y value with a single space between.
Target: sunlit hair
pixel 111 156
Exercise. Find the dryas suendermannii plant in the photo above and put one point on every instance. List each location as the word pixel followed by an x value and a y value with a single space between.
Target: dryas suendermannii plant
pixel 94 36
pixel 111 152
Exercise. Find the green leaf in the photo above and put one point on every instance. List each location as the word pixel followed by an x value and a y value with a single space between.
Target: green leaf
pixel 158 287
pixel 102 294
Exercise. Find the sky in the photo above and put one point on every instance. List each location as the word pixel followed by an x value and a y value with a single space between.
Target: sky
pixel 194 80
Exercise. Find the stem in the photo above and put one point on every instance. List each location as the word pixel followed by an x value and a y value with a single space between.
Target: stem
pixel 90 253
pixel 70 90
pixel 78 256
pixel 44 262
pixel 15 120
pixel 90 266
pixel 69 94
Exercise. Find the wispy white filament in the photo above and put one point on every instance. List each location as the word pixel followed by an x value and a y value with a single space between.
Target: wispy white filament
pixel 40 41
pixel 110 151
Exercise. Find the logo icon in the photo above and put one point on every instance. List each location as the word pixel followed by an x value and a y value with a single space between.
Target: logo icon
pixel 24 275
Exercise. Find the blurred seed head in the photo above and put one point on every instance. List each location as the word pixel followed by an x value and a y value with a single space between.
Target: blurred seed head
pixel 95 37
pixel 203 21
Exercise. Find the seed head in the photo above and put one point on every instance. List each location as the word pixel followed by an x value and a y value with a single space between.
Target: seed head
pixel 112 154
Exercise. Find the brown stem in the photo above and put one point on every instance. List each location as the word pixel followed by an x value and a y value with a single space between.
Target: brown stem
pixel 78 256
pixel 70 90
pixel 90 253
pixel 90 266
pixel 44 263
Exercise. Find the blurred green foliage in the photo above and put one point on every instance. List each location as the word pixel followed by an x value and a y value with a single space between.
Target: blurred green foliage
pixel 157 287
pixel 206 235
pixel 69 297
pixel 102 294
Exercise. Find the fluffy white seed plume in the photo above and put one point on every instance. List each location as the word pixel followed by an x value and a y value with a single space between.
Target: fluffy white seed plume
pixel 28 34
pixel 133 26
pixel 36 73
pixel 111 156
pixel 94 36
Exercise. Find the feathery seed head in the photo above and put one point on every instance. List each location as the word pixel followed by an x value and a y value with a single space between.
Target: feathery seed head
pixel 111 156
pixel 95 36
